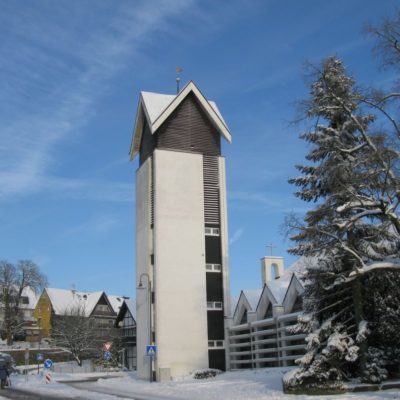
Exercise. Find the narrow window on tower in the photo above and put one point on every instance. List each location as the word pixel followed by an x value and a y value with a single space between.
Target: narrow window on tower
pixel 214 305
pixel 215 344
pixel 211 231
pixel 213 267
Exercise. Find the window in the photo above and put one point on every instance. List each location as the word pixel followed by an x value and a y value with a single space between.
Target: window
pixel 24 299
pixel 214 305
pixel 215 344
pixel 213 268
pixel 211 231
pixel 102 308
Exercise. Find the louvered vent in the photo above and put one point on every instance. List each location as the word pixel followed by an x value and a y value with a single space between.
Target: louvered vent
pixel 211 190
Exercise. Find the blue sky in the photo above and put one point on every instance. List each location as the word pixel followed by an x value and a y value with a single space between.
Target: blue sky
pixel 70 76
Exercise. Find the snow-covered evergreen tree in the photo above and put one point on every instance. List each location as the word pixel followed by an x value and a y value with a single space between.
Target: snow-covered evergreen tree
pixel 353 229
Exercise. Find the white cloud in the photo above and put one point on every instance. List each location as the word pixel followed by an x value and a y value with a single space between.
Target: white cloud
pixel 55 71
pixel 260 199
pixel 236 236
pixel 99 226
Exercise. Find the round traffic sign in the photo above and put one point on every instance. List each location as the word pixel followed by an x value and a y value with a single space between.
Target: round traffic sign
pixel 48 363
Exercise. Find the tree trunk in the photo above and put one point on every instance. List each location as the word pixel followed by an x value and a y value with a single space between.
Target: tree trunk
pixel 358 315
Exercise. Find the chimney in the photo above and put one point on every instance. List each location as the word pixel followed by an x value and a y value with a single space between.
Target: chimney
pixel 272 267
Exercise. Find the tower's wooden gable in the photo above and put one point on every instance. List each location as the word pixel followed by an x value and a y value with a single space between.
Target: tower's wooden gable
pixel 188 128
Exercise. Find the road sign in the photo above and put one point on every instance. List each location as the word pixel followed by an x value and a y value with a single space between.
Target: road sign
pixel 107 346
pixel 151 350
pixel 39 357
pixel 47 377
pixel 48 363
pixel 107 356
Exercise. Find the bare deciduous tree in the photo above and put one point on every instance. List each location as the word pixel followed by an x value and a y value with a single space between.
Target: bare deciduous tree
pixel 14 279
pixel 81 334
pixel 75 332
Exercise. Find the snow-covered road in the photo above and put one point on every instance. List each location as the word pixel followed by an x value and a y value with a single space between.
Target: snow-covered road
pixel 262 384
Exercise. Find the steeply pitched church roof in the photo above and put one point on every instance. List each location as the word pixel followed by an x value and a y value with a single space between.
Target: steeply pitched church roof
pixel 278 288
pixel 252 296
pixel 156 108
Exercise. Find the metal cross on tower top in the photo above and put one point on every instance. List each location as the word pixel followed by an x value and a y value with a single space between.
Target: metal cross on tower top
pixel 270 247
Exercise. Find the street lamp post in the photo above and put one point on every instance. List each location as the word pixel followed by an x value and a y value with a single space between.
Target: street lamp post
pixel 40 338
pixel 140 286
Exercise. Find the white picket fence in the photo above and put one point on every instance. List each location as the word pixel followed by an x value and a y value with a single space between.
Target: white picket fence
pixel 265 343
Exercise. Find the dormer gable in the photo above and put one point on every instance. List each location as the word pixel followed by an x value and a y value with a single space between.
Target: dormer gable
pixel 102 307
pixel 241 310
pixel 266 303
pixel 246 306
pixel 293 298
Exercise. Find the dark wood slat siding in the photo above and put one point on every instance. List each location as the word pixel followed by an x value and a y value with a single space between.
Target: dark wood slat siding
pixel 216 359
pixel 147 144
pixel 211 189
pixel 189 129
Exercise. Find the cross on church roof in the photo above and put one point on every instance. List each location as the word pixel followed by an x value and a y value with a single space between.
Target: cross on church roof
pixel 270 247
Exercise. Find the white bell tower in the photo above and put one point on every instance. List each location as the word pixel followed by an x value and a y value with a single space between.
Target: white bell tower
pixel 181 233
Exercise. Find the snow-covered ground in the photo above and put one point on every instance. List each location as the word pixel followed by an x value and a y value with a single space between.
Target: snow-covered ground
pixel 260 384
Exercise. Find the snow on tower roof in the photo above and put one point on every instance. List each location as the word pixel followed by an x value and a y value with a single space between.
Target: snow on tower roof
pixel 156 108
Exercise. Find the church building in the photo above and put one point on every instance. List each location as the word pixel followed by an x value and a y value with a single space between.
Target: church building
pixel 181 234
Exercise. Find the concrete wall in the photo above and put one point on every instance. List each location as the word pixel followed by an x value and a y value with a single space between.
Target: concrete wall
pixel 179 253
pixel 143 251
pixel 224 252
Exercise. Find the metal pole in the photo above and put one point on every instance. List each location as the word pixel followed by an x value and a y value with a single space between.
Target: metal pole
pixel 40 339
pixel 151 333
pixel 150 318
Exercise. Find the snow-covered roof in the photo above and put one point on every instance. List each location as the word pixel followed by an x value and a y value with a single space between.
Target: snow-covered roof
pixel 115 302
pixel 32 296
pixel 252 296
pixel 156 108
pixel 131 304
pixel 63 300
pixel 277 287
